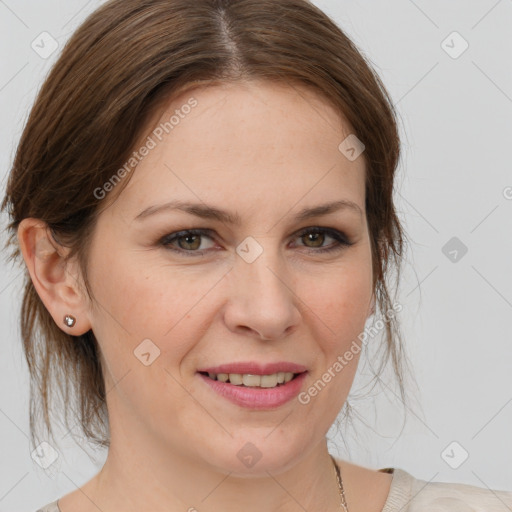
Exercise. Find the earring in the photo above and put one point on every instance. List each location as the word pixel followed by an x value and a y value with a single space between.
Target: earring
pixel 69 320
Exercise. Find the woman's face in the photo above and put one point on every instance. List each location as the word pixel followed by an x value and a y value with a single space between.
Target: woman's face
pixel 265 289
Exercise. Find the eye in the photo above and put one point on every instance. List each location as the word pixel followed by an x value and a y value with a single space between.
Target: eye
pixel 317 235
pixel 188 240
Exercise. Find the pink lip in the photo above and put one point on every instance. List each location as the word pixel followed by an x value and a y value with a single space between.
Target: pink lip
pixel 256 398
pixel 255 368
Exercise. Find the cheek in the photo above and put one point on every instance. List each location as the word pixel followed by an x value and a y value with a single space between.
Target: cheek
pixel 339 298
pixel 142 298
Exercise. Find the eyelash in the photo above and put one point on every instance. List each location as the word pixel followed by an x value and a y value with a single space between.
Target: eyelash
pixel 341 240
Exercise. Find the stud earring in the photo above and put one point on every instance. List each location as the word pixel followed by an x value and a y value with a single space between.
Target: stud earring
pixel 69 320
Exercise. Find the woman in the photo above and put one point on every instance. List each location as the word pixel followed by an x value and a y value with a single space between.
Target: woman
pixel 202 197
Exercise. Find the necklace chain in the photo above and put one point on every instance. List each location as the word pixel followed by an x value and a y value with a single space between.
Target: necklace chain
pixel 343 503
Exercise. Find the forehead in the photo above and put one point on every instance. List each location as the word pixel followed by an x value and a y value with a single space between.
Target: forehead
pixel 252 104
pixel 244 140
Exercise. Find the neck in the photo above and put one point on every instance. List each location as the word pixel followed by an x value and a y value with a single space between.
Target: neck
pixel 141 473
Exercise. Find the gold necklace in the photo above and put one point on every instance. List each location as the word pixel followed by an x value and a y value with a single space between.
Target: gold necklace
pixel 343 503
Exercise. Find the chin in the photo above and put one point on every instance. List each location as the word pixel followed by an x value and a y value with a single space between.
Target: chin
pixel 256 454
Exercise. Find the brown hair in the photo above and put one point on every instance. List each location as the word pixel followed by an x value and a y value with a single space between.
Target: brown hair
pixel 125 60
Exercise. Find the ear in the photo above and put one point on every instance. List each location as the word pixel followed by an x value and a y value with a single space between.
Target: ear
pixel 56 281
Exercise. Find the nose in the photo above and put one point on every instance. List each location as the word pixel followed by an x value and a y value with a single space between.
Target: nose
pixel 262 300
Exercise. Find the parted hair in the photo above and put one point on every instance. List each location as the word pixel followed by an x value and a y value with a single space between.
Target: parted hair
pixel 124 62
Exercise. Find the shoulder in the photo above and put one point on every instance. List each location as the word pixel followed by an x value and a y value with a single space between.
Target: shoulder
pixel 50 507
pixel 396 490
pixel 419 495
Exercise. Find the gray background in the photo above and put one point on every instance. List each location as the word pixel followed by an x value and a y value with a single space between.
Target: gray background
pixel 455 180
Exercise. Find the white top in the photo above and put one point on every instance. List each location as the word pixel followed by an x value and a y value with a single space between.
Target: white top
pixel 409 494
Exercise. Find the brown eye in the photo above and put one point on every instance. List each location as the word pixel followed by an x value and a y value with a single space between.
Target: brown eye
pixel 315 238
pixel 189 241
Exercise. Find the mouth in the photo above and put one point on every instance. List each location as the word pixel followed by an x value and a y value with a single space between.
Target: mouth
pixel 255 391
pixel 249 380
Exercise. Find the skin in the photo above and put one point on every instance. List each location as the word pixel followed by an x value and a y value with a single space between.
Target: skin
pixel 264 151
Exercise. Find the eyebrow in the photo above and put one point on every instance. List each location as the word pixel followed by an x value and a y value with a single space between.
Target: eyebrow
pixel 210 212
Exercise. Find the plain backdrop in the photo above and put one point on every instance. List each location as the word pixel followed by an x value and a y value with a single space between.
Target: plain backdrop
pixel 447 68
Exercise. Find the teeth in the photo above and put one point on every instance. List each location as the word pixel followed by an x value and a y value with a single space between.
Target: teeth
pixel 236 379
pixel 249 380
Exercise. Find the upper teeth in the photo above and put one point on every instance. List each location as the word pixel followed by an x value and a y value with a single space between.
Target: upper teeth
pixel 264 381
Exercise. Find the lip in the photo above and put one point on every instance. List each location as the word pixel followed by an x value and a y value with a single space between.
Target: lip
pixel 255 368
pixel 256 398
